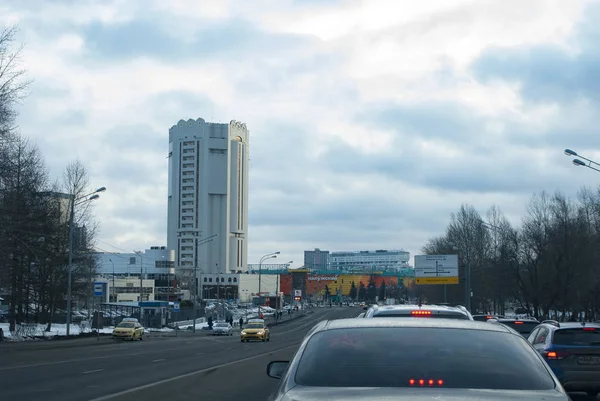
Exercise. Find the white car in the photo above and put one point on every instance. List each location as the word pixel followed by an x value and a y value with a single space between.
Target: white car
pixel 222 329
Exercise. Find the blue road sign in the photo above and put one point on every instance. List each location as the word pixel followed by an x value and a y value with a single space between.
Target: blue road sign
pixel 98 289
pixel 176 306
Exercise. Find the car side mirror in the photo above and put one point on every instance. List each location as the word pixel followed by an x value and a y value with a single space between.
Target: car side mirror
pixel 276 369
pixel 365 308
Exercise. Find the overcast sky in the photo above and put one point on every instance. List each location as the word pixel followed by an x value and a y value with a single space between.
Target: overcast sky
pixel 370 121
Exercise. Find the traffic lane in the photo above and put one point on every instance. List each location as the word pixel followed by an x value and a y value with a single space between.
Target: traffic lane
pixel 38 353
pixel 227 380
pixel 81 379
pixel 246 380
pixel 133 353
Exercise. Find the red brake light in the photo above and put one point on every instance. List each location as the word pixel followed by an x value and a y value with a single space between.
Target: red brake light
pixel 555 354
pixel 423 382
pixel 589 329
pixel 518 322
pixel 421 313
pixel 489 317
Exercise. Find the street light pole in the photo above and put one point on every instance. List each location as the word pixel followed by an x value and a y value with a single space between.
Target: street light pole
pixel 113 280
pixel 196 243
pixel 139 253
pixel 265 257
pixel 74 202
pixel 195 282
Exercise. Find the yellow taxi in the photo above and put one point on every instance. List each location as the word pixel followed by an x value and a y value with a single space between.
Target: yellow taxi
pixel 255 329
pixel 129 329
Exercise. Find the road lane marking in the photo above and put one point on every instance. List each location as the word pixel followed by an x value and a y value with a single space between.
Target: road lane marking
pixel 302 324
pixel 158 360
pixel 35 365
pixel 91 371
pixel 185 375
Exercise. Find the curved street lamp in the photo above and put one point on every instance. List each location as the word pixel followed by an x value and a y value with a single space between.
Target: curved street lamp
pixel 579 162
pixel 265 257
pixel 75 202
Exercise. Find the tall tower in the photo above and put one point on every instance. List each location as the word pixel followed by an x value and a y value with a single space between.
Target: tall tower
pixel 208 196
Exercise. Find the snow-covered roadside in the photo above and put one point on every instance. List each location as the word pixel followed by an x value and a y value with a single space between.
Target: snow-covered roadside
pixel 29 332
pixel 32 331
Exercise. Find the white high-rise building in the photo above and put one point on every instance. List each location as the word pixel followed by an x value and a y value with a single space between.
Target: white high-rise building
pixel 208 196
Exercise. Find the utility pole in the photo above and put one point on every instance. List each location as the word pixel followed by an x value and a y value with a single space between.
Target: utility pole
pixel 114 292
pixel 141 282
pixel 75 201
pixel 195 288
pixel 468 285
pixel 71 220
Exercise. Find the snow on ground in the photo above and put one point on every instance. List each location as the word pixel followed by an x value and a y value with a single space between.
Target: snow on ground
pixel 199 326
pixel 28 331
pixel 39 330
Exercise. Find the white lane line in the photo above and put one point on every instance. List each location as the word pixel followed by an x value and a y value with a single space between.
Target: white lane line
pixel 183 376
pixel 158 360
pixel 91 371
pixel 200 353
pixel 35 365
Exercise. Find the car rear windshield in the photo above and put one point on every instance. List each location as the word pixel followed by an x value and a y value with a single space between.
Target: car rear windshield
pixel 434 314
pixel 222 325
pixel 400 357
pixel 577 336
pixel 523 327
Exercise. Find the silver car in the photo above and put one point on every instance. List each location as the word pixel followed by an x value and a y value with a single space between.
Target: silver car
pixel 222 329
pixel 414 359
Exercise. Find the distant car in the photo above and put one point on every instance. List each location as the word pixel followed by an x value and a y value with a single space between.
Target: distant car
pixel 414 359
pixel 572 349
pixel 255 329
pixel 485 318
pixel 129 329
pixel 222 329
pixel 522 326
pixel 423 311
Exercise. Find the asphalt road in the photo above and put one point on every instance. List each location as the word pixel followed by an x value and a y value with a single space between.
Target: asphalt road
pixel 160 368
pixel 163 368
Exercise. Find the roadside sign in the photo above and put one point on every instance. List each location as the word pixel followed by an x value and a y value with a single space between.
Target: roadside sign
pixel 436 269
pixel 436 280
pixel 176 306
pixel 297 293
pixel 98 289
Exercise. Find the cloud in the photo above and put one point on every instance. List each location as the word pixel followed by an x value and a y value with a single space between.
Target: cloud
pixel 370 121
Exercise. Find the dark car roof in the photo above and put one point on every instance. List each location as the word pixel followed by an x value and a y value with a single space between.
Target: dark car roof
pixel 412 322
pixel 570 325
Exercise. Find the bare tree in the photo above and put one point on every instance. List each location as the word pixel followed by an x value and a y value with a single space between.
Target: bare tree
pixel 76 184
pixel 13 86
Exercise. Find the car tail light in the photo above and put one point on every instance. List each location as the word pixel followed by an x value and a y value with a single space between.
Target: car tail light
pixel 489 317
pixel 589 329
pixel 518 322
pixel 425 382
pixel 554 355
pixel 421 313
